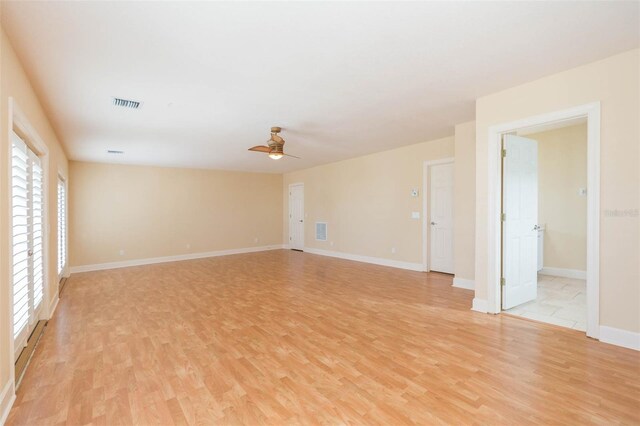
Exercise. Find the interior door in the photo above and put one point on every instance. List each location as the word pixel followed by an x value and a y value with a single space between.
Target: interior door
pixel 520 220
pixel 296 217
pixel 27 267
pixel 441 217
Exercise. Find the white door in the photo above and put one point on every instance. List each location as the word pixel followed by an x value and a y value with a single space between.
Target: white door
pixel 520 221
pixel 296 217
pixel 27 266
pixel 441 217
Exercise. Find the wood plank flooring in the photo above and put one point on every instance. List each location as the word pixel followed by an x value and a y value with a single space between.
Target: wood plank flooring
pixel 283 337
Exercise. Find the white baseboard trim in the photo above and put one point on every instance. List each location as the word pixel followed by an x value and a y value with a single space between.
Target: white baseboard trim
pixel 7 397
pixel 619 337
pixel 480 305
pixel 53 305
pixel 464 283
pixel 564 273
pixel 177 258
pixel 367 259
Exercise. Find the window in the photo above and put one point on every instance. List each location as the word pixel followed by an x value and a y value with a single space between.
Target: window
pixel 26 239
pixel 62 226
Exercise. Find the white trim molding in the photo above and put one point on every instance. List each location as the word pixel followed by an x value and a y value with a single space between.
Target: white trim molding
pixel 53 305
pixel 367 259
pixel 425 207
pixel 480 305
pixel 7 398
pixel 165 259
pixel 619 337
pixel 494 187
pixel 464 283
pixel 564 273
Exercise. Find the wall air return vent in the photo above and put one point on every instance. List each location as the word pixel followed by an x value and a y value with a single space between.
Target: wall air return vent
pixel 126 103
pixel 321 231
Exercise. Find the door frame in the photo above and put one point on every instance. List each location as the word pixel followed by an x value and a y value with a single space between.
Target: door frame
pixel 292 185
pixel 19 123
pixel 426 194
pixel 494 195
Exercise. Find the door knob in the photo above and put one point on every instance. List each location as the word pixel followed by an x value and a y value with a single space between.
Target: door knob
pixel 536 227
pixel 30 252
pixel 433 223
pixel 301 220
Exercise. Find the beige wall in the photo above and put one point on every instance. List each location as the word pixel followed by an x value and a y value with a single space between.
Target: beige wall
pixel 615 83
pixel 367 202
pixel 562 171
pixel 15 84
pixel 464 201
pixel 154 212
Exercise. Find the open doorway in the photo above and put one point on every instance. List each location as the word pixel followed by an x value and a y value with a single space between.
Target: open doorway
pixel 544 223
pixel 494 198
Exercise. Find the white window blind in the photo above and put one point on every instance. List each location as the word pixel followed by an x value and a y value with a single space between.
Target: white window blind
pixel 27 200
pixel 62 226
pixel 36 230
pixel 20 234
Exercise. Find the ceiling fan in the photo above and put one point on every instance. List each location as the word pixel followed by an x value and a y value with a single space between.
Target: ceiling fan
pixel 275 147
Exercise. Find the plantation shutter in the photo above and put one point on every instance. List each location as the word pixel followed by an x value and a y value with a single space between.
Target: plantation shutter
pixel 27 233
pixel 62 227
pixel 21 234
pixel 37 230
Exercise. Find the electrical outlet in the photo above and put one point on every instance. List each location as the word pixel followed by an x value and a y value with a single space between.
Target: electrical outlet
pixel 393 250
pixel 121 252
pixel 255 240
pixel 188 246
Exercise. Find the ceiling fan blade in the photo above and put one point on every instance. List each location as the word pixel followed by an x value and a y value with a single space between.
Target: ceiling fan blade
pixel 289 155
pixel 261 148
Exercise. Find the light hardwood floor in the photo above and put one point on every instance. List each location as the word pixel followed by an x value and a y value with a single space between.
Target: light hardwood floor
pixel 284 337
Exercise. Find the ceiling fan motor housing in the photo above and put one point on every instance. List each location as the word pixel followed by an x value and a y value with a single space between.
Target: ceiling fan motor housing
pixel 276 148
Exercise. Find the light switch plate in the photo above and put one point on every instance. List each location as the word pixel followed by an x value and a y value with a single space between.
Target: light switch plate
pixel 415 215
pixel 414 192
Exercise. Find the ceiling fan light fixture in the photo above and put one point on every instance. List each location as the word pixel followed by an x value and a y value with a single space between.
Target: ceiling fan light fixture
pixel 274 147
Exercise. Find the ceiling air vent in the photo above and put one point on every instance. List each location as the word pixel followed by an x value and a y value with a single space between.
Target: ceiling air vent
pixel 321 231
pixel 126 103
pixel 113 151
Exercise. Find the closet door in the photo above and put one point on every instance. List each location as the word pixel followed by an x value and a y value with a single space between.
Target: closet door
pixel 27 240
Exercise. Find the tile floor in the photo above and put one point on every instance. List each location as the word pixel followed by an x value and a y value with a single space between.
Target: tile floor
pixel 561 301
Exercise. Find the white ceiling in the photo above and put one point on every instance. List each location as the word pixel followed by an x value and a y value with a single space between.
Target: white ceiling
pixel 342 79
